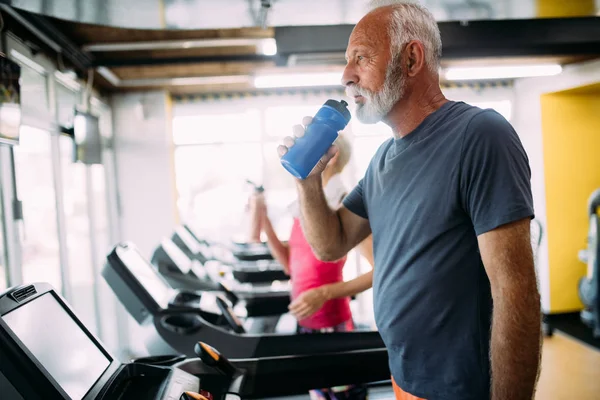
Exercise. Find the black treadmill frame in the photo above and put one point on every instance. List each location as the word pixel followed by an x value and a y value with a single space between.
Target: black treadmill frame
pixel 233 345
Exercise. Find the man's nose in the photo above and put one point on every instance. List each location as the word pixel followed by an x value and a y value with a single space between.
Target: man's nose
pixel 349 76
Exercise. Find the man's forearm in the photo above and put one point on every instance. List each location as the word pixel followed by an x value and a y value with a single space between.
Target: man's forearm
pixel 515 344
pixel 349 288
pixel 320 223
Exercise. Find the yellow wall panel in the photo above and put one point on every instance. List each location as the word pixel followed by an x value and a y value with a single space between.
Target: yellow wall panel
pixel 571 140
pixel 565 8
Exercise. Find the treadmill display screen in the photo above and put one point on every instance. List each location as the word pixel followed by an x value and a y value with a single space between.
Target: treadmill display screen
pixel 177 255
pixel 147 277
pixel 59 344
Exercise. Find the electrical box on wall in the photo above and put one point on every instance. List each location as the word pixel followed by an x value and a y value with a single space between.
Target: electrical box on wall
pixel 10 101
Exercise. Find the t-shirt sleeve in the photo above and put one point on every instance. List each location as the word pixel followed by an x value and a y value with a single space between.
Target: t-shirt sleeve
pixel 495 173
pixel 355 201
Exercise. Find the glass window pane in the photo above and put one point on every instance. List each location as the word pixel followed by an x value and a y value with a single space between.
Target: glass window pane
pixel 102 111
pixel 280 190
pixel 217 128
pixel 279 120
pixel 67 99
pixel 77 232
pixel 35 185
pixel 34 92
pixel 3 266
pixel 211 185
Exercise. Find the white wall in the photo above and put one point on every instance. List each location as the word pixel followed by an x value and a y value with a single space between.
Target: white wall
pixel 143 149
pixel 527 120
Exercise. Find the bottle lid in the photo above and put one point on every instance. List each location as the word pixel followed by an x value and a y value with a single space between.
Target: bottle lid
pixel 341 107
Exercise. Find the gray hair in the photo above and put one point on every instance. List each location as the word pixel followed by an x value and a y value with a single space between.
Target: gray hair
pixel 412 21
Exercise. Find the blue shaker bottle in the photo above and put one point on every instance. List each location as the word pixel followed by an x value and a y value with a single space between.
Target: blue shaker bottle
pixel 304 155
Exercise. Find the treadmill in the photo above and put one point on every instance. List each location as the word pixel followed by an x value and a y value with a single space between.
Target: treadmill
pixel 179 322
pixel 242 251
pixel 48 353
pixel 184 273
pixel 260 270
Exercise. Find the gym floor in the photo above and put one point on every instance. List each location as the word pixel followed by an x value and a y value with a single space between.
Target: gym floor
pixel 570 370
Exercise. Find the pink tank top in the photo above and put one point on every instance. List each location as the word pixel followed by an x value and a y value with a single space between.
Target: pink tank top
pixel 307 272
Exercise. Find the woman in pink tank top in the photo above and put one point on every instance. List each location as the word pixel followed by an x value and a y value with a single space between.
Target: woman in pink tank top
pixel 320 297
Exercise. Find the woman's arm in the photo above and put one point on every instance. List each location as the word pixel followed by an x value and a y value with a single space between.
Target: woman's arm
pixel 279 250
pixel 358 284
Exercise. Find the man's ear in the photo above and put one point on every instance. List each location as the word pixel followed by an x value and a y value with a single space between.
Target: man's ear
pixel 415 57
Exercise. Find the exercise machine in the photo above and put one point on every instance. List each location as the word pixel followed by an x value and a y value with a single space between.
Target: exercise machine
pixel 256 272
pixel 179 270
pixel 179 319
pixel 261 307
pixel 589 284
pixel 241 251
pixel 48 353
pixel 184 273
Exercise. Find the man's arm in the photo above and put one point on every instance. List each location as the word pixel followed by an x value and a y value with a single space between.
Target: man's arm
pixel 330 233
pixel 516 325
pixel 496 194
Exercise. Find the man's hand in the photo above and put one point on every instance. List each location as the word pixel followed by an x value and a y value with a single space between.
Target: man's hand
pixel 298 132
pixel 516 327
pixel 309 302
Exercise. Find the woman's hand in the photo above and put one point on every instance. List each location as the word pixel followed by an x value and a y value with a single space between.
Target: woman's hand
pixel 309 302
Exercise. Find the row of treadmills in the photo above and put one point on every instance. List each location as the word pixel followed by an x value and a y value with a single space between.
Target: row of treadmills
pixel 199 298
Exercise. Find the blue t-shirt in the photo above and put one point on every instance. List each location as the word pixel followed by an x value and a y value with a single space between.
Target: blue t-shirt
pixel 462 172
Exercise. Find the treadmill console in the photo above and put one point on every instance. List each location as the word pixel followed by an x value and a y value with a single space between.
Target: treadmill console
pixel 141 289
pixel 145 293
pixel 48 353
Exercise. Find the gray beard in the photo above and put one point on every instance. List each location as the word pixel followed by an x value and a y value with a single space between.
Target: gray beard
pixel 377 105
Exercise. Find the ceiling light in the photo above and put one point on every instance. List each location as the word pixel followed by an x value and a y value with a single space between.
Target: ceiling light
pixel 296 80
pixel 501 72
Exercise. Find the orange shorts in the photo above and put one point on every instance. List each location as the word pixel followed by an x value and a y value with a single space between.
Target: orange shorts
pixel 401 394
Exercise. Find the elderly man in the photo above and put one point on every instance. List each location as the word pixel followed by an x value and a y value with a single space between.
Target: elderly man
pixel 448 201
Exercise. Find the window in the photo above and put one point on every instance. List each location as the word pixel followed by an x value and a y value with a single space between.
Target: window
pixel 77 230
pixel 279 120
pixel 3 266
pixel 35 185
pixel 217 128
pixel 66 101
pixel 211 183
pixel 34 92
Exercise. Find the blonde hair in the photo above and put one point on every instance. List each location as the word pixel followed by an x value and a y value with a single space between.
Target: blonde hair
pixel 344 152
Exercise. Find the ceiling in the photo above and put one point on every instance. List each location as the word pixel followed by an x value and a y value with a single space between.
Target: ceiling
pixel 228 56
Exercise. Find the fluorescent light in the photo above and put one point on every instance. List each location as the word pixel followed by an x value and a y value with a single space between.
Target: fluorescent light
pixel 190 80
pixel 502 72
pixel 295 80
pixel 263 44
